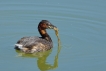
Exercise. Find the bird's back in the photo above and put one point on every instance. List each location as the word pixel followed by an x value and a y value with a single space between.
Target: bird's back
pixel 34 44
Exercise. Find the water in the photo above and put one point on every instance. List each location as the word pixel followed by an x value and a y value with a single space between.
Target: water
pixel 81 24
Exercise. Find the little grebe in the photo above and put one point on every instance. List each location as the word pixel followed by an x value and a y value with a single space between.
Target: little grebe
pixel 37 44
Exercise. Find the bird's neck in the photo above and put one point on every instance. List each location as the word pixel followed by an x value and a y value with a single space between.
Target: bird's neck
pixel 44 34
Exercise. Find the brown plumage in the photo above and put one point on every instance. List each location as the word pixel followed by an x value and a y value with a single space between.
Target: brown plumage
pixel 37 44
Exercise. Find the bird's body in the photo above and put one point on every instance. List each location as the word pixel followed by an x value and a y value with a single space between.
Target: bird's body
pixel 34 44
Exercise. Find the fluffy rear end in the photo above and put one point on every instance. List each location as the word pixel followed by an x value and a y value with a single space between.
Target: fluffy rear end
pixel 18 46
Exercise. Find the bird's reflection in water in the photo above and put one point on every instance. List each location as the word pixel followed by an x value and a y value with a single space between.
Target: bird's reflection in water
pixel 42 57
pixel 43 65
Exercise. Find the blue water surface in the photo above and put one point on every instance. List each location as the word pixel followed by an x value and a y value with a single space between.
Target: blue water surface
pixel 82 31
